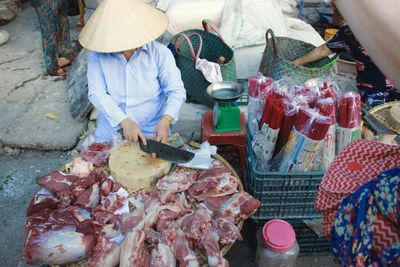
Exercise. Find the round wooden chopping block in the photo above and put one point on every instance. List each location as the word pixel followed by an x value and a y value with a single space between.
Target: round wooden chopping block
pixel 135 169
pixel 394 117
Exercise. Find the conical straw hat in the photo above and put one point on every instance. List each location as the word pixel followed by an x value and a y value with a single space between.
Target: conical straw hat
pixel 120 25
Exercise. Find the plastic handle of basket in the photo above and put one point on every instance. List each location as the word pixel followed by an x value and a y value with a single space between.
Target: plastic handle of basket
pixel 207 23
pixel 271 32
pixel 187 38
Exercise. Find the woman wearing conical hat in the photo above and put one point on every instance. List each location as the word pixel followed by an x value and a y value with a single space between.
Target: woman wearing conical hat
pixel 133 80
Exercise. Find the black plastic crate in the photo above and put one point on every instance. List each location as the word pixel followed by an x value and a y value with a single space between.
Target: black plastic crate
pixel 282 195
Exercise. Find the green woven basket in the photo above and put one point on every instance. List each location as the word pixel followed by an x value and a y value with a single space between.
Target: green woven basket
pixel 213 47
pixel 281 51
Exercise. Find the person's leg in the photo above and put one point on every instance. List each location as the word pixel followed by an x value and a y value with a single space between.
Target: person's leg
pixel 104 131
pixel 81 6
pixel 47 29
pixel 63 36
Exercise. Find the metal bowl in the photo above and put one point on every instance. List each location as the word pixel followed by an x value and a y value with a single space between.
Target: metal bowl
pixel 226 91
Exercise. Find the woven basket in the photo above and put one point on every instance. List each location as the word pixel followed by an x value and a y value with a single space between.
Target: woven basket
pixel 382 114
pixel 202 257
pixel 212 48
pixel 281 51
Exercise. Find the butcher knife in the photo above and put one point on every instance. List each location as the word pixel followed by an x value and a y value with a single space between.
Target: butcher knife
pixel 166 152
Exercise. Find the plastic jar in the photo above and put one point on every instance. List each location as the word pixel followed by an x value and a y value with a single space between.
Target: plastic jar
pixel 276 245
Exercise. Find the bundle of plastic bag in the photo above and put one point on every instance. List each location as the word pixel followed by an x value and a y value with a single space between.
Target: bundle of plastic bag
pixel 305 142
pixel 265 140
pixel 327 107
pixel 259 86
pixel 348 120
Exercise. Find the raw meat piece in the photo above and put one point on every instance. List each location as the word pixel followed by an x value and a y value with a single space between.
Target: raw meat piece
pixel 181 202
pixel 61 246
pixel 162 256
pixel 97 154
pixel 209 244
pixel 80 167
pixel 89 198
pixel 106 187
pixel 146 258
pixel 152 236
pixel 86 181
pixel 113 202
pixel 106 254
pixel 177 181
pixel 152 215
pixel 116 186
pixel 133 221
pixel 234 207
pixel 67 198
pixel 217 169
pixel 177 240
pixel 132 249
pixel 228 232
pixel 166 214
pixel 40 202
pixel 144 200
pixel 102 217
pixel 195 223
pixel 214 186
pixel 57 181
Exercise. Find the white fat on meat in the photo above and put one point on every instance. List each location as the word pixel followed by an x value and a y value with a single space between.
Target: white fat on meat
pixel 177 181
pixel 182 250
pixel 228 232
pixel 214 186
pixel 106 254
pixel 61 246
pixel 57 181
pixel 235 207
pixel 210 246
pixel 132 249
pixel 89 198
pixel 79 167
pixel 162 256
pixel 195 223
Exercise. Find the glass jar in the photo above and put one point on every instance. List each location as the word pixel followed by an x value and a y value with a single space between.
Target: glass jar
pixel 276 245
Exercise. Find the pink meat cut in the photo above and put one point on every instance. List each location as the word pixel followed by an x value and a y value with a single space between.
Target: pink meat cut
pixel 162 256
pixel 105 254
pixel 57 181
pixel 209 244
pixel 89 198
pixel 177 181
pixel 167 214
pixel 58 236
pixel 41 202
pixel 228 232
pixel 217 169
pixel 133 221
pixel 238 206
pixel 194 224
pixel 132 249
pixel 214 186
pixel 177 240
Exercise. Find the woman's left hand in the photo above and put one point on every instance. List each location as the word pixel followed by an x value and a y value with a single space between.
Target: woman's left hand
pixel 162 131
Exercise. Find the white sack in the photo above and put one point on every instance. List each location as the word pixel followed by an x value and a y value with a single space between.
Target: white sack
pixel 244 22
pixel 188 14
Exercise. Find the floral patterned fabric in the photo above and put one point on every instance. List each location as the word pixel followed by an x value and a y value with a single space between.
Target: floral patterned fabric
pixel 373 86
pixel 54 27
pixel 353 231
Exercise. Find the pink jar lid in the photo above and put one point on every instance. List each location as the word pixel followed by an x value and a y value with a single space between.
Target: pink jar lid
pixel 278 235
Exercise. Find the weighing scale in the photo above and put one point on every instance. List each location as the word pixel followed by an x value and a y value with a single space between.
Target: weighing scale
pixel 226 113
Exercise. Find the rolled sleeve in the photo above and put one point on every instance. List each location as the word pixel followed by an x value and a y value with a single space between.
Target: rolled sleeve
pixel 98 95
pixel 170 82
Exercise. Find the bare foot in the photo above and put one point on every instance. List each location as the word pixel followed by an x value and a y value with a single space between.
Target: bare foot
pixel 63 62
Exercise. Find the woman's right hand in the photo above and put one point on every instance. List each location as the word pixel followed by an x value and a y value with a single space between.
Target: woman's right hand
pixel 132 131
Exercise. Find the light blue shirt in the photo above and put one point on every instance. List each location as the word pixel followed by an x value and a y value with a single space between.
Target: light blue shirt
pixel 144 88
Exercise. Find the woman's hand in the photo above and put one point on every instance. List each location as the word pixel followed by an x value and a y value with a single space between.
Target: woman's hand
pixel 162 130
pixel 132 131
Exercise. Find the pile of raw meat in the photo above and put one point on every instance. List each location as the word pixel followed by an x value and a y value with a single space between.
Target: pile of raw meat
pixel 191 213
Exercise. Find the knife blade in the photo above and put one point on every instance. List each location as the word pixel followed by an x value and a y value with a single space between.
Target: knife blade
pixel 166 152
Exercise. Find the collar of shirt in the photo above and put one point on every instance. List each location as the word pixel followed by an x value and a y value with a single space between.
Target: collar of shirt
pixel 120 55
